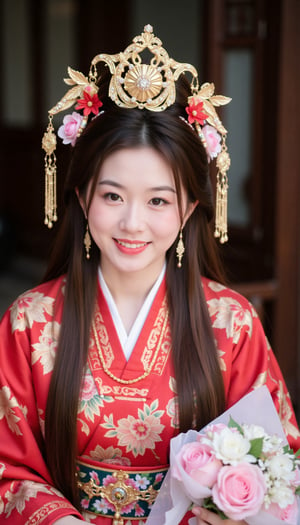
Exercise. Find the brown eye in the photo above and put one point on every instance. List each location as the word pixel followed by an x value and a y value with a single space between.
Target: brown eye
pixel 157 201
pixel 114 197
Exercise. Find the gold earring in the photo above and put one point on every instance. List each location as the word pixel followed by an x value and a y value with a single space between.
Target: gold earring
pixel 87 242
pixel 180 249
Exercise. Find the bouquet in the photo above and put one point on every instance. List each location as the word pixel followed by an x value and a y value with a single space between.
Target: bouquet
pixel 245 468
pixel 234 467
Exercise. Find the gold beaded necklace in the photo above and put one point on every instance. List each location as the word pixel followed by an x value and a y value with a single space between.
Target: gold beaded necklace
pixel 148 369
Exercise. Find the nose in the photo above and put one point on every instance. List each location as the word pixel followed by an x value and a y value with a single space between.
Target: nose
pixel 132 219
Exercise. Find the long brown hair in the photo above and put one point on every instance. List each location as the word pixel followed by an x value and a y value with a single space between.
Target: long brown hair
pixel 198 376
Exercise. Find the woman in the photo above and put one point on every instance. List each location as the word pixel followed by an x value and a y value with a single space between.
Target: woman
pixel 131 338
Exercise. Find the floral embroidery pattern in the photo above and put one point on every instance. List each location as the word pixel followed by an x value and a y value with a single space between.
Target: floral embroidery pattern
pixel 45 349
pixel 26 490
pixel 221 360
pixel 216 287
pixel 90 400
pixel 109 455
pixel 30 308
pixel 229 314
pixel 285 412
pixel 2 469
pixel 102 505
pixel 172 406
pixel 7 405
pixel 137 434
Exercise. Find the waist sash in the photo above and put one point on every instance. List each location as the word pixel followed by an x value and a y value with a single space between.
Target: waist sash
pixel 117 493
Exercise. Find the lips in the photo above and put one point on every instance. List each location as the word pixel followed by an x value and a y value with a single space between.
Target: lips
pixel 131 244
pixel 131 247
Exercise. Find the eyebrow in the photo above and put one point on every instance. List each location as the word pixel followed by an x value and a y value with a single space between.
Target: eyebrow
pixel 154 188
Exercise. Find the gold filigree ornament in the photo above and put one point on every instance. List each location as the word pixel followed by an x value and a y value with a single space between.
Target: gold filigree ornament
pixel 118 493
pixel 135 84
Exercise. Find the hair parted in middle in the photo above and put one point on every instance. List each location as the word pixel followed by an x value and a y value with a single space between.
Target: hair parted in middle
pixel 197 372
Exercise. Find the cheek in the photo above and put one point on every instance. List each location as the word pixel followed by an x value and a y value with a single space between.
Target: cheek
pixel 99 215
pixel 166 228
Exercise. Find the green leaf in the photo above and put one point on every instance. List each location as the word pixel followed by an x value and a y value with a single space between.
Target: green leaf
pixel 209 504
pixel 297 454
pixel 256 447
pixel 234 424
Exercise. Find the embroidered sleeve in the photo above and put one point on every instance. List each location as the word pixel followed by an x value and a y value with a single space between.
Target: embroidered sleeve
pixel 254 356
pixel 246 359
pixel 27 494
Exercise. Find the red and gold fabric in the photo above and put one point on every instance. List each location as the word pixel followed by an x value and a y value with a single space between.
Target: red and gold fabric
pixel 128 409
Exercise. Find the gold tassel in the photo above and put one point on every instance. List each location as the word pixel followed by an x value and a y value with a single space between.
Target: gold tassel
pixel 49 145
pixel 223 164
pixel 221 208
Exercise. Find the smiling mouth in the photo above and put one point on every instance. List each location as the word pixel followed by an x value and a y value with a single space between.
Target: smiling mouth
pixel 131 244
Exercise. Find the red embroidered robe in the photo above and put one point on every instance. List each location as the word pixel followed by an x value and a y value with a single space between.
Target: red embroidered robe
pixel 126 424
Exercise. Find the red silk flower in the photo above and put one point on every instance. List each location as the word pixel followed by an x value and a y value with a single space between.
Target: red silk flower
pixel 90 103
pixel 195 113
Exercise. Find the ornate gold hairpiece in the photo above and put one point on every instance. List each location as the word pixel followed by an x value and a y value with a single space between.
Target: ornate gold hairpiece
pixel 149 86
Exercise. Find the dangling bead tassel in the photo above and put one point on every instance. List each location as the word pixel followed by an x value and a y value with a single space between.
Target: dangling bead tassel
pixel 49 145
pixel 221 209
pixel 87 242
pixel 180 249
pixel 223 164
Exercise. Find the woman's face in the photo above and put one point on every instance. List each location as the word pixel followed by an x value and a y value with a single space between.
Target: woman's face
pixel 134 216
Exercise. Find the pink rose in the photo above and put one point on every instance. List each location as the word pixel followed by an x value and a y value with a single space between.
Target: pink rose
pixel 288 514
pixel 239 491
pixel 68 131
pixel 210 430
pixel 213 141
pixel 199 462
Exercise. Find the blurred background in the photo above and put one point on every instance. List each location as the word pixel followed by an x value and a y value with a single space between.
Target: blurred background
pixel 250 49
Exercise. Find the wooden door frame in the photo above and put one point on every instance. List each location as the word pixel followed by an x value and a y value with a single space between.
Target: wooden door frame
pixel 287 314
pixel 282 161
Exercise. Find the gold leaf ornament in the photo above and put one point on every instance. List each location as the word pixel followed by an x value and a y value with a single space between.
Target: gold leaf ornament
pixel 80 83
pixel 206 90
pixel 76 77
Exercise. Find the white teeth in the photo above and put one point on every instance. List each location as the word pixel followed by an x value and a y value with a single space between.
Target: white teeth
pixel 131 245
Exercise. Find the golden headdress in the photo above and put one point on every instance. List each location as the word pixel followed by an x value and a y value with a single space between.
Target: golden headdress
pixel 151 86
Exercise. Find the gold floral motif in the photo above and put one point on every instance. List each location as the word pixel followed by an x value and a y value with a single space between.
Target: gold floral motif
pixel 143 82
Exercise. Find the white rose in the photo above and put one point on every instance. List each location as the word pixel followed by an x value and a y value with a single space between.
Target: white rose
pixel 281 467
pixel 231 447
pixel 253 432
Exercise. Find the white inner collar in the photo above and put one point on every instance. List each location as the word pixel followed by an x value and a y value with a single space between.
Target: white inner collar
pixel 128 341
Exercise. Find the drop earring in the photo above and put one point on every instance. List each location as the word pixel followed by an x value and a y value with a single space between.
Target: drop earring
pixel 180 249
pixel 87 241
